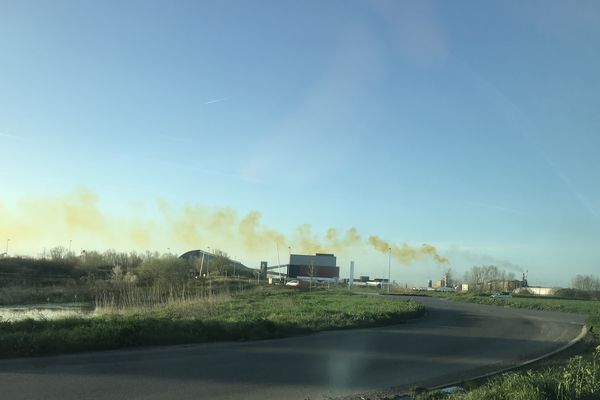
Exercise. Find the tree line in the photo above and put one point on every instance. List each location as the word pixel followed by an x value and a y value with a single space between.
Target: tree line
pixel 490 277
pixel 144 269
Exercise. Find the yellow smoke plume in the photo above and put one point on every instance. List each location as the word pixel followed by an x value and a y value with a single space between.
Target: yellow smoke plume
pixel 48 222
pixel 405 253
pixel 54 221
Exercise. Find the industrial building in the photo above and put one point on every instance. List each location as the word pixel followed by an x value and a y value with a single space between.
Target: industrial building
pixel 320 267
pixel 366 281
pixel 536 291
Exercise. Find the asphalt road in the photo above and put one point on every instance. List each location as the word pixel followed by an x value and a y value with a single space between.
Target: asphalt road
pixel 453 341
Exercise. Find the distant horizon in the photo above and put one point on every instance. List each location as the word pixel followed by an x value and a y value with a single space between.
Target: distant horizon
pixel 459 278
pixel 435 272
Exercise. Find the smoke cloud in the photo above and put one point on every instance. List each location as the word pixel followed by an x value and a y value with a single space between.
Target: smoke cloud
pixel 405 253
pixel 47 222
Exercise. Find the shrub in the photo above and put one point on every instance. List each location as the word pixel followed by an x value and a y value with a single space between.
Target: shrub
pixel 164 271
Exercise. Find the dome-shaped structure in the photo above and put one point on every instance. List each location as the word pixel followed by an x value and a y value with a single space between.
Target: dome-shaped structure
pixel 202 259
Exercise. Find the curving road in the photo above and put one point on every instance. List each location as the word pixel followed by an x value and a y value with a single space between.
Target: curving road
pixel 453 341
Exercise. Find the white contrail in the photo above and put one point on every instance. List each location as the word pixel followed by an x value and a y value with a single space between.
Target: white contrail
pixel 561 174
pixel 216 100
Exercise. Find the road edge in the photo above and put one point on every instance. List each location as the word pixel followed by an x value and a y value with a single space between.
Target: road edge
pixel 584 331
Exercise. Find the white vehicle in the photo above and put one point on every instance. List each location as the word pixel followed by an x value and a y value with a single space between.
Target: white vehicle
pixel 501 295
pixel 293 282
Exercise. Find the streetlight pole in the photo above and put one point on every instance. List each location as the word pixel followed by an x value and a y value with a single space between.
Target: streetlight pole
pixel 278 259
pixel 289 262
pixel 6 253
pixel 207 261
pixel 389 267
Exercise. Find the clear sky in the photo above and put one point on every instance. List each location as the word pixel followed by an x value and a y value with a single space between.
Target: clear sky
pixel 470 126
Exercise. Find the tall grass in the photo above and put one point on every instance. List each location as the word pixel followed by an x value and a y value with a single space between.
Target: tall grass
pixel 579 379
pixel 131 298
pixel 128 297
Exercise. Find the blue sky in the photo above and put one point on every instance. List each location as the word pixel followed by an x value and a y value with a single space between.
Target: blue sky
pixel 471 126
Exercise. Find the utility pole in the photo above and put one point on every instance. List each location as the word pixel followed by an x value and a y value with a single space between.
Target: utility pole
pixel 207 261
pixel 389 268
pixel 6 253
pixel 278 260
pixel 288 266
pixel 202 264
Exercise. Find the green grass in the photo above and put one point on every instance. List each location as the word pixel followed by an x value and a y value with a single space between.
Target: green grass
pixel 535 303
pixel 578 379
pixel 260 314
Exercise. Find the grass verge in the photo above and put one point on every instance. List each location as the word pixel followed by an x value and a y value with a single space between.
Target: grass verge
pixel 578 379
pixel 260 314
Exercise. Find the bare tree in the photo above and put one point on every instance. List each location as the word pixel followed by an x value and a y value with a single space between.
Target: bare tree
pixel 219 264
pixel 588 283
pixel 58 253
pixel 478 276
